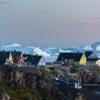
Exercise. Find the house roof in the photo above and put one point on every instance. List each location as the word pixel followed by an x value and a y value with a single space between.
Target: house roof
pixel 7 54
pixel 88 53
pixel 68 79
pixel 16 55
pixel 75 56
pixel 2 58
pixel 33 59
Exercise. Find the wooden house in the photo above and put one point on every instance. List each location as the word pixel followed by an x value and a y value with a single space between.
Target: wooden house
pixel 17 57
pixel 88 53
pixel 91 58
pixel 35 60
pixel 62 78
pixel 72 58
pixel 91 61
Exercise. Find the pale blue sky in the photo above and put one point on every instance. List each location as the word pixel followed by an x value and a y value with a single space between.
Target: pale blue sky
pixel 50 22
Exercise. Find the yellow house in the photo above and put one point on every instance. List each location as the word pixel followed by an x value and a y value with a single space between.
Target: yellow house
pixel 79 59
pixel 72 58
pixel 83 60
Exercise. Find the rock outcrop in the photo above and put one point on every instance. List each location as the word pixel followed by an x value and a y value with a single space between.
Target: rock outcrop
pixel 23 76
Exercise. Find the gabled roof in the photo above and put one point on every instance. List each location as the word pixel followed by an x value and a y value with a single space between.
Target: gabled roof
pixel 7 54
pixel 88 53
pixel 33 59
pixel 75 56
pixel 2 58
pixel 91 56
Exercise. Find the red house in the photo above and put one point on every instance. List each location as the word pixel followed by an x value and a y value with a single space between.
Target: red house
pixel 17 57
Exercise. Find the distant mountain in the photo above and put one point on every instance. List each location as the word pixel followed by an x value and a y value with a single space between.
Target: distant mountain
pixel 40 52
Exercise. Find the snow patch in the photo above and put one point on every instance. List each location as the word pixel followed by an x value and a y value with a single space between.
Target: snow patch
pixel 40 52
pixel 61 50
pixel 13 46
pixel 88 47
pixel 98 48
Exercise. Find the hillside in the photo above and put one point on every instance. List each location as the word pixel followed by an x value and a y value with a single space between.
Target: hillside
pixel 30 84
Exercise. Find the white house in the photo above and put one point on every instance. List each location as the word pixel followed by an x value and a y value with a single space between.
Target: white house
pixel 98 62
pixel 42 61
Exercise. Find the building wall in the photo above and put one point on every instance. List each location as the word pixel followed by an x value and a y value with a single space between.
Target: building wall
pixel 42 62
pixel 9 60
pixel 98 62
pixel 75 62
pixel 83 60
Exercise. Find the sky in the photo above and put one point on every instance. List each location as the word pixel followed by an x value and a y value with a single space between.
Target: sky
pixel 50 22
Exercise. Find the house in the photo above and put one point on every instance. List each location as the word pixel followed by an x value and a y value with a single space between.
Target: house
pixel 17 57
pixel 91 61
pixel 98 62
pixel 9 59
pixel 91 58
pixel 88 53
pixel 5 58
pixel 72 58
pixel 74 83
pixel 65 79
pixel 35 60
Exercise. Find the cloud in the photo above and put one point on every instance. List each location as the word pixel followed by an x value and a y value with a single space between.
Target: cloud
pixel 5 2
